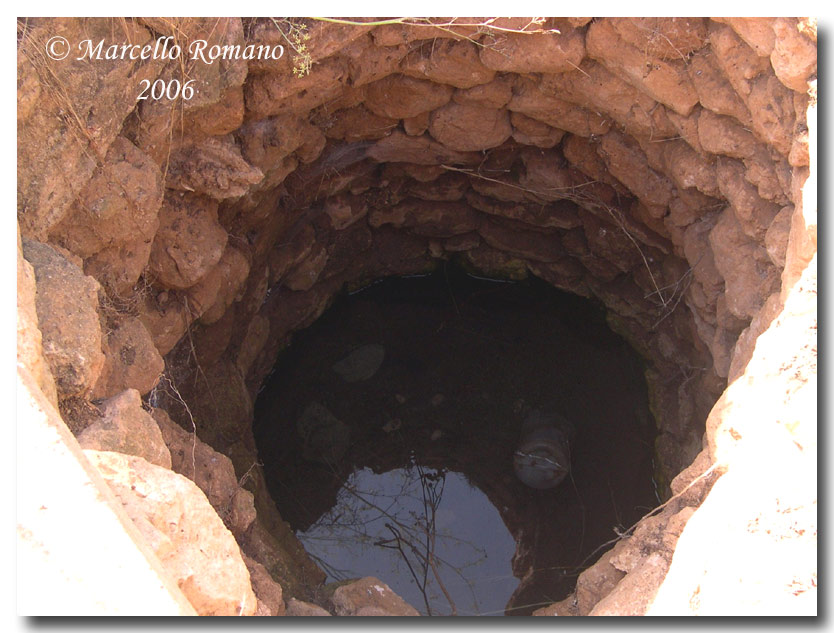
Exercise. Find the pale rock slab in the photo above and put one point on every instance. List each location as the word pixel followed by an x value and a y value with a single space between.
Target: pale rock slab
pixel 183 530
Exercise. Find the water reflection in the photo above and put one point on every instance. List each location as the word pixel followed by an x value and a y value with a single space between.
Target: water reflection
pixel 435 539
pixel 445 372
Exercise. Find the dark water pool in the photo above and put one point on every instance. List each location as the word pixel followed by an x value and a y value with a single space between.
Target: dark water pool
pixel 388 428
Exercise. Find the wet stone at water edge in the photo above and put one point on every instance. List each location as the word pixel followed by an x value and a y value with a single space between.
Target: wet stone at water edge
pixel 467 442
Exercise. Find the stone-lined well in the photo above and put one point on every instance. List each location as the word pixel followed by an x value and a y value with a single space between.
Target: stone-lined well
pixel 657 165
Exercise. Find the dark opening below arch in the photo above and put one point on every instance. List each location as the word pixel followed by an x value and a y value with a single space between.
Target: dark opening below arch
pixel 428 379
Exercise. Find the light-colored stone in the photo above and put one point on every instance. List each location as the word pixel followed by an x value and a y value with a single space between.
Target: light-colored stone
pixel 66 301
pixel 753 213
pixel 794 56
pixel 714 90
pixel 756 32
pixel 184 531
pixel 29 337
pixel 765 560
pixel 664 81
pixel 772 113
pixel 126 427
pixel 802 242
pixel 719 134
pixel 749 275
pixel 596 582
pixel 213 473
pixel 777 235
pixel 77 550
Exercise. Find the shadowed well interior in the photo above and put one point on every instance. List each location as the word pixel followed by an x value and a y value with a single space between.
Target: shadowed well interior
pixel 426 382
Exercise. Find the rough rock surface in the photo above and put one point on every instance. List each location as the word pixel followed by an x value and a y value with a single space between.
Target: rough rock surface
pixel 469 128
pixel 268 592
pixel 212 167
pixel 630 597
pixel 166 317
pixel 98 99
pixel 401 97
pixel 66 302
pixel 212 295
pixel 118 268
pixel 119 204
pixel 29 337
pixel 126 427
pixel 221 404
pixel 299 608
pixel 663 166
pixel 370 597
pixel 544 53
pixel 131 361
pixel 596 582
pixel 448 62
pixel 183 530
pixel 190 241
pixel 767 518
pixel 749 276
pixel 213 473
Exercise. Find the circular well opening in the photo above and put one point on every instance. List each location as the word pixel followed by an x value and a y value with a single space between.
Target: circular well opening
pixel 388 431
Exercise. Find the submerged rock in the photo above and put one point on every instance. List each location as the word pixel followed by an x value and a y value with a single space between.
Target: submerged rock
pixel 326 438
pixel 542 457
pixel 361 364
